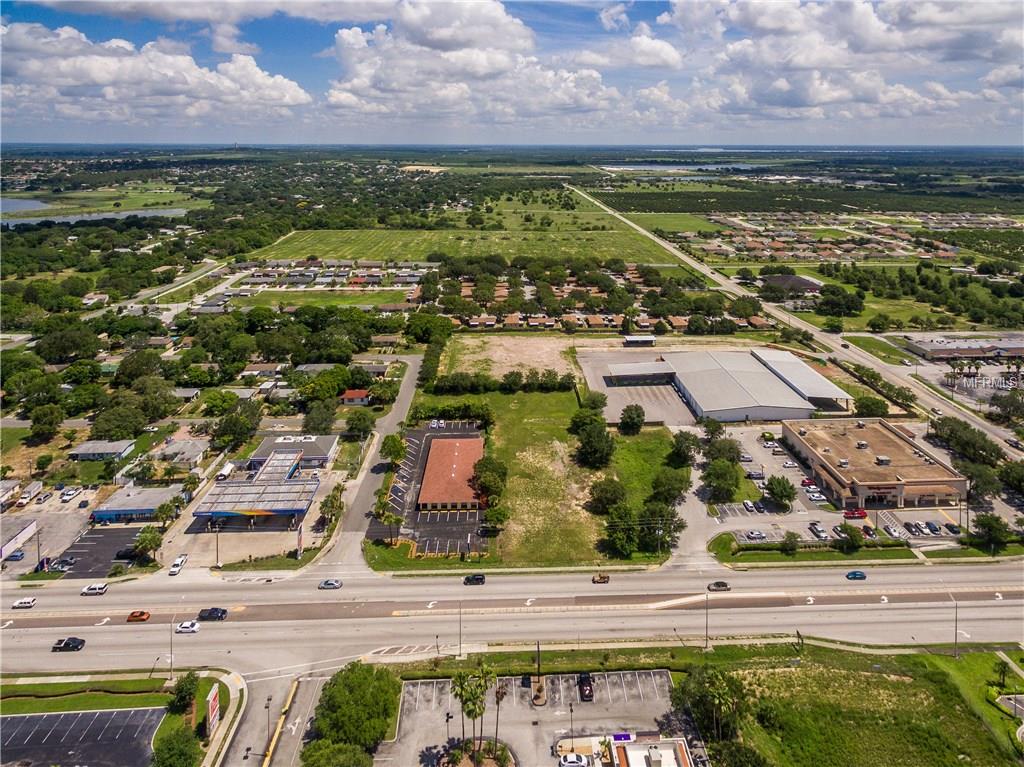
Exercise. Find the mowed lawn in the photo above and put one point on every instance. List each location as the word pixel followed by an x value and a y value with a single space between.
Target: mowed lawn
pixel 674 222
pixel 417 245
pixel 879 347
pixel 637 459
pixel 273 298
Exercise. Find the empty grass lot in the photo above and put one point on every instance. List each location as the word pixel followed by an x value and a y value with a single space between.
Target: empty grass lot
pixel 406 245
pixel 274 298
pixel 637 459
pixel 879 347
pixel 674 222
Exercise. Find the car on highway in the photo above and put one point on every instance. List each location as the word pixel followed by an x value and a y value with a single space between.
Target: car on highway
pixel 25 603
pixel 329 584
pixel 71 644
pixel 138 616
pixel 178 564
pixel 869 532
pixel 573 760
pixel 756 535
pixel 953 528
pixel 601 578
pixel 476 579
pixel 936 411
pixel 845 345
pixel 187 627
pixel 586 687
pixel 94 590
pixel 15 556
pixel 816 497
pixel 856 575
pixel 1015 443
pixel 719 586
pixel 933 528
pixel 855 514
pixel 212 614
pixel 789 464
pixel 748 505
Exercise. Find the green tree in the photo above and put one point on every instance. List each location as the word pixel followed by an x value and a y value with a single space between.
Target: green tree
pixel 982 480
pixel 178 748
pixel 190 483
pixel 659 526
pixel 716 698
pixel 685 446
pixel 833 325
pixel 360 423
pixel 46 421
pixel 136 365
pixel 319 418
pixel 790 543
pixel 781 490
pixel 184 692
pixel 163 514
pixel 723 448
pixel 867 406
pixel 631 421
pixel 148 540
pixel 990 531
pixel 594 400
pixel 732 753
pixel 879 323
pixel 722 479
pixel 393 448
pixel 669 485
pixel 852 539
pixel 119 422
pixel 585 417
pixel 324 753
pixel 357 704
pixel 596 446
pixel 393 522
pixel 384 391
pixel 1001 669
pixel 604 494
pixel 712 429
pixel 495 517
pixel 623 531
pixel 43 462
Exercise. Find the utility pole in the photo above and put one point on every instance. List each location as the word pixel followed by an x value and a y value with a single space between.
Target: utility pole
pixel 460 628
pixel 39 546
pixel 707 620
pixel 956 628
pixel 572 731
pixel 216 533
pixel 267 707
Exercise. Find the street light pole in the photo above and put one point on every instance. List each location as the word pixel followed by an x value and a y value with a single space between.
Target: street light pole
pixel 267 707
pixel 572 731
pixel 216 533
pixel 707 619
pixel 460 628
pixel 956 627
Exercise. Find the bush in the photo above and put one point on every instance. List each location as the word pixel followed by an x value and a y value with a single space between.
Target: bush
pixel 177 748
pixel 184 692
pixel 631 421
pixel 357 705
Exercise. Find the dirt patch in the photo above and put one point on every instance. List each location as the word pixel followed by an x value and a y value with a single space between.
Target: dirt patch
pixel 422 169
pixel 22 457
pixel 498 354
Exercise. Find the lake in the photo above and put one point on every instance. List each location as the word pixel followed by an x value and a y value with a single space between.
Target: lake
pixel 14 204
pixel 669 166
pixel 96 216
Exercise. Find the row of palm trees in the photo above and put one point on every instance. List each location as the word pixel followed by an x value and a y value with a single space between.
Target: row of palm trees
pixel 971 368
pixel 470 688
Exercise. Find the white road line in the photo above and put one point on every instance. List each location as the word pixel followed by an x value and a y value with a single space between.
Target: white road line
pixel 38 724
pixel 9 739
pixel 71 727
pixel 53 728
pixel 89 726
pixel 109 720
pixel 639 686
pixel 623 683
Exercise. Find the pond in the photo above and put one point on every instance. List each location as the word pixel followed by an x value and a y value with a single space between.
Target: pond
pixel 96 216
pixel 15 204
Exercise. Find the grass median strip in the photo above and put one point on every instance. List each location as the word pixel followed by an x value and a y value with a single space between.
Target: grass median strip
pixel 56 697
pixel 722 546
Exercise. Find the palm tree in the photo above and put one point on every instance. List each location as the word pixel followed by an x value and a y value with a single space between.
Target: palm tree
pixel 190 484
pixel 484 679
pixel 392 520
pixel 499 695
pixel 163 514
pixel 460 689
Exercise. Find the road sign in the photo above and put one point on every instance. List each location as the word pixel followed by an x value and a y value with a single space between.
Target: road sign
pixel 212 710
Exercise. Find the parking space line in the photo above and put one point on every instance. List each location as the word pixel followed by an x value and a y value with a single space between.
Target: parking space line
pixel 34 729
pixel 145 718
pixel 72 727
pixel 622 682
pixel 11 737
pixel 89 726
pixel 53 728
pixel 654 684
pixel 105 726
pixel 639 686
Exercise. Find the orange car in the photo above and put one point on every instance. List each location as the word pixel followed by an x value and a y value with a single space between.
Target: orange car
pixel 138 616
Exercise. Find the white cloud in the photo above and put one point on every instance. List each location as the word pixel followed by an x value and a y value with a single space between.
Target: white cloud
pixel 614 17
pixel 1006 76
pixel 112 80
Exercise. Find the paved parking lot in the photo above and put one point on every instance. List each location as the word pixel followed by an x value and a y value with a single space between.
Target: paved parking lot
pixel 623 701
pixel 119 738
pixel 435 532
pixel 96 549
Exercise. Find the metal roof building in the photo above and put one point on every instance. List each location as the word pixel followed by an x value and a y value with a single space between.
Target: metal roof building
pixel 803 379
pixel 135 502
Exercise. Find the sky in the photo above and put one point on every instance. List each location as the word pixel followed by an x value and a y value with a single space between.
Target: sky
pixel 488 72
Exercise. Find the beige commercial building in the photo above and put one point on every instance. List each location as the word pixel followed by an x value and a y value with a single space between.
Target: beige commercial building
pixel 872 463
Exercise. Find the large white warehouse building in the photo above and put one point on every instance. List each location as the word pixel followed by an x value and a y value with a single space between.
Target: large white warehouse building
pixel 766 385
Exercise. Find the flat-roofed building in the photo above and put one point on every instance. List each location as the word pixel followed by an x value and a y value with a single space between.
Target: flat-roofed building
pixel 448 475
pixel 135 503
pixel 873 463
pixel 101 450
pixel 317 450
pixel 953 347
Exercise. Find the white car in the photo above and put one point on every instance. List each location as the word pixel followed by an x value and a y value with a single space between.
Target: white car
pixel 433 424
pixel 25 603
pixel 755 535
pixel 440 423
pixel 789 465
pixel 94 590
pixel 188 627
pixel 812 489
pixel 748 505
pixel 817 497
pixel 178 564
pixel 573 760
pixel 771 444
pixel 70 493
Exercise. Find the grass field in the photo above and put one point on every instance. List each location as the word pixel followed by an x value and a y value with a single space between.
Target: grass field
pixel 83 696
pixel 406 245
pixel 879 347
pixel 108 201
pixel 274 298
pixel 821 234
pixel 637 459
pixel 674 222
pixel 897 309
pixel 12 437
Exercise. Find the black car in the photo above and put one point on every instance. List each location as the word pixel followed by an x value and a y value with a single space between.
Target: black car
pixel 911 528
pixel 586 685
pixel 126 554
pixel 719 586
pixel 954 529
pixel 476 579
pixel 869 532
pixel 71 644
pixel 212 614
pixel 759 507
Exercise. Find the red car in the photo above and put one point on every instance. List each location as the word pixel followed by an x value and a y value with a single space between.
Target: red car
pixel 807 482
pixel 855 514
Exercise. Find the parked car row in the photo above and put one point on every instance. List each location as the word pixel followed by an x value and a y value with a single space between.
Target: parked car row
pixel 930 528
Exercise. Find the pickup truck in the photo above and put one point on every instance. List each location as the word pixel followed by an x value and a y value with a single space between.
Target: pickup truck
pixel 71 644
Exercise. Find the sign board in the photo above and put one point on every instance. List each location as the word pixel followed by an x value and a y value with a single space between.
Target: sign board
pixel 212 710
pixel 622 737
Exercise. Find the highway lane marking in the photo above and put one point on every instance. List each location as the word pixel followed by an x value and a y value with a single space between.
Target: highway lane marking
pixel 884 600
pixel 430 605
pixel 103 622
pixel 810 600
pixel 530 601
pixel 8 623
pixel 998 596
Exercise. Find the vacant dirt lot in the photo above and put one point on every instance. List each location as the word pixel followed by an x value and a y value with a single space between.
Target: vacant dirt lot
pixel 499 353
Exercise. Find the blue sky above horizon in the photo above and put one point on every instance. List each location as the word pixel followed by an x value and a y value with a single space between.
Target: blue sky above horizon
pixel 482 71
